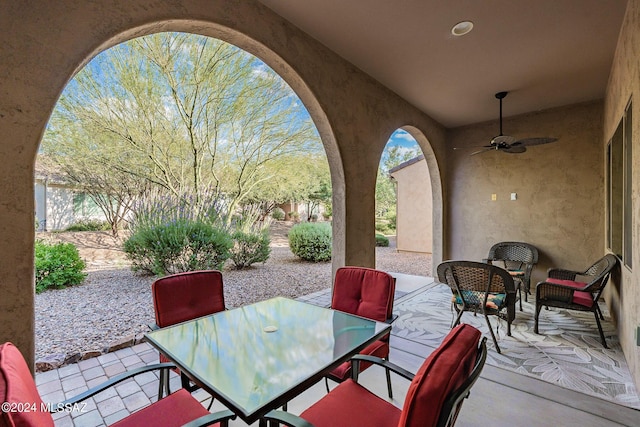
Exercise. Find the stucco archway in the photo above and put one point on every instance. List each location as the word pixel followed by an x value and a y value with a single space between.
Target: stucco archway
pixel 43 47
pixel 36 98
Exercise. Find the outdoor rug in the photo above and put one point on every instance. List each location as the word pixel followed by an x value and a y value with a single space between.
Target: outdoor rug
pixel 568 351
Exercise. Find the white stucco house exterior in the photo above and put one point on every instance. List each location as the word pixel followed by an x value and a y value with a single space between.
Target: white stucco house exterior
pixel 57 203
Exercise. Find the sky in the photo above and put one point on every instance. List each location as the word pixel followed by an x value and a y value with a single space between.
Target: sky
pixel 403 139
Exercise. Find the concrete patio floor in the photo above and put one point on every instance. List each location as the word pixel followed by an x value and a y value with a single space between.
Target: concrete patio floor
pixel 499 398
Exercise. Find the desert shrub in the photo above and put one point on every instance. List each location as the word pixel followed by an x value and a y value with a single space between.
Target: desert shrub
pixel 391 218
pixel 250 234
pixel 294 216
pixel 328 211
pixel 89 225
pixel 172 234
pixel 250 247
pixel 278 214
pixel 311 241
pixel 382 227
pixel 57 265
pixel 381 240
pixel 178 246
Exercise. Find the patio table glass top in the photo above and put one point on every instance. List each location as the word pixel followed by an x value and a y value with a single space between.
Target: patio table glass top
pixel 257 357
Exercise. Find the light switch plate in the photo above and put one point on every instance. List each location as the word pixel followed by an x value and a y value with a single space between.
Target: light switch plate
pixel 494 197
pixel 514 196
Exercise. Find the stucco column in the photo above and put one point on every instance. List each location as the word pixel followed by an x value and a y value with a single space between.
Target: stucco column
pixel 360 173
pixel 16 247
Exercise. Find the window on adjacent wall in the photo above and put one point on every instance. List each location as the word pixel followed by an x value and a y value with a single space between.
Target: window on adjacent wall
pixel 619 186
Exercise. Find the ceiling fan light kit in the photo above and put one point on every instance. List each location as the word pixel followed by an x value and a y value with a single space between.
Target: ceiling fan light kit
pixel 509 144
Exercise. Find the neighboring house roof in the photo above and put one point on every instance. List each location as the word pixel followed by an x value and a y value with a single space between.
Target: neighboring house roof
pixel 46 170
pixel 407 163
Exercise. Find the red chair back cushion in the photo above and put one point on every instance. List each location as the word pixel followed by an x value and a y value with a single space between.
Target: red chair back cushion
pixel 441 373
pixel 185 296
pixel 364 291
pixel 18 388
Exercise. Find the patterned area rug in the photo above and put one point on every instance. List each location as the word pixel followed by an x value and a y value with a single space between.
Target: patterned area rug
pixel 568 351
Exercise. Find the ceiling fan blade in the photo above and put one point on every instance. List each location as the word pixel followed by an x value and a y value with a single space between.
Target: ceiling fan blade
pixel 514 149
pixel 474 146
pixel 502 139
pixel 482 151
pixel 533 141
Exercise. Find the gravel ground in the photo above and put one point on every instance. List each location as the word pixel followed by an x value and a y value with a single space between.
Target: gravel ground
pixel 113 303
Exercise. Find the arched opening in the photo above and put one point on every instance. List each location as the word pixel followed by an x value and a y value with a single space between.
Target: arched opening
pixel 24 302
pixel 408 200
pixel 156 132
pixel 404 204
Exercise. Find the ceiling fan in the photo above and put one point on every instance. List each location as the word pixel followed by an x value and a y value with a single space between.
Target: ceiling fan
pixel 509 144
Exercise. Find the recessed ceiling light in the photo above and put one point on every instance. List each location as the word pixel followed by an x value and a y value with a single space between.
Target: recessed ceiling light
pixel 462 28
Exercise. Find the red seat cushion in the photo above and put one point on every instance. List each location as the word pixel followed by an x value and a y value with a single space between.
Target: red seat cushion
pixel 185 296
pixel 174 410
pixel 579 297
pixel 18 387
pixel 441 373
pixel 351 405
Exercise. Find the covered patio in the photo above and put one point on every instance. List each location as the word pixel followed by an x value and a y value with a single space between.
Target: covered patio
pixel 571 69
pixel 520 395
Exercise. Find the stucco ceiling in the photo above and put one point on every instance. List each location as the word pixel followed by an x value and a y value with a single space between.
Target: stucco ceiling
pixel 546 53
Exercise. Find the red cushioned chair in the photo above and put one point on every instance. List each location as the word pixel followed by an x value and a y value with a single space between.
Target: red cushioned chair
pixel 575 290
pixel 434 398
pixel 368 293
pixel 17 388
pixel 185 296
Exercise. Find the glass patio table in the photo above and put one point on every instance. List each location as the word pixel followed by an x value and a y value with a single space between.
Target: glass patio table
pixel 258 357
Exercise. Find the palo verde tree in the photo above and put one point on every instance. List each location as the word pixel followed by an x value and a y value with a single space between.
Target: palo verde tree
pixel 180 112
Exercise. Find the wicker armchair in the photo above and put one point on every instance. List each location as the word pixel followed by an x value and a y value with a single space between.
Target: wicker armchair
pixel 480 288
pixel 517 257
pixel 575 290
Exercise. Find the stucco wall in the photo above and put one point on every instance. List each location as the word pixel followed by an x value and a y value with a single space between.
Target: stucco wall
pixel 623 297
pixel 559 188
pixel 414 210
pixel 44 43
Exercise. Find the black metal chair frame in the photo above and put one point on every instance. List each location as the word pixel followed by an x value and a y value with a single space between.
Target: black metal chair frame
pixel 222 416
pixel 388 374
pixel 485 279
pixel 448 413
pixel 516 256
pixel 561 296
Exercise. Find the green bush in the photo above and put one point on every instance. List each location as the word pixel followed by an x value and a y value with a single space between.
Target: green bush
pixel 382 227
pixel 278 214
pixel 57 266
pixel 89 225
pixel 391 217
pixel 311 241
pixel 250 247
pixel 178 246
pixel 381 240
